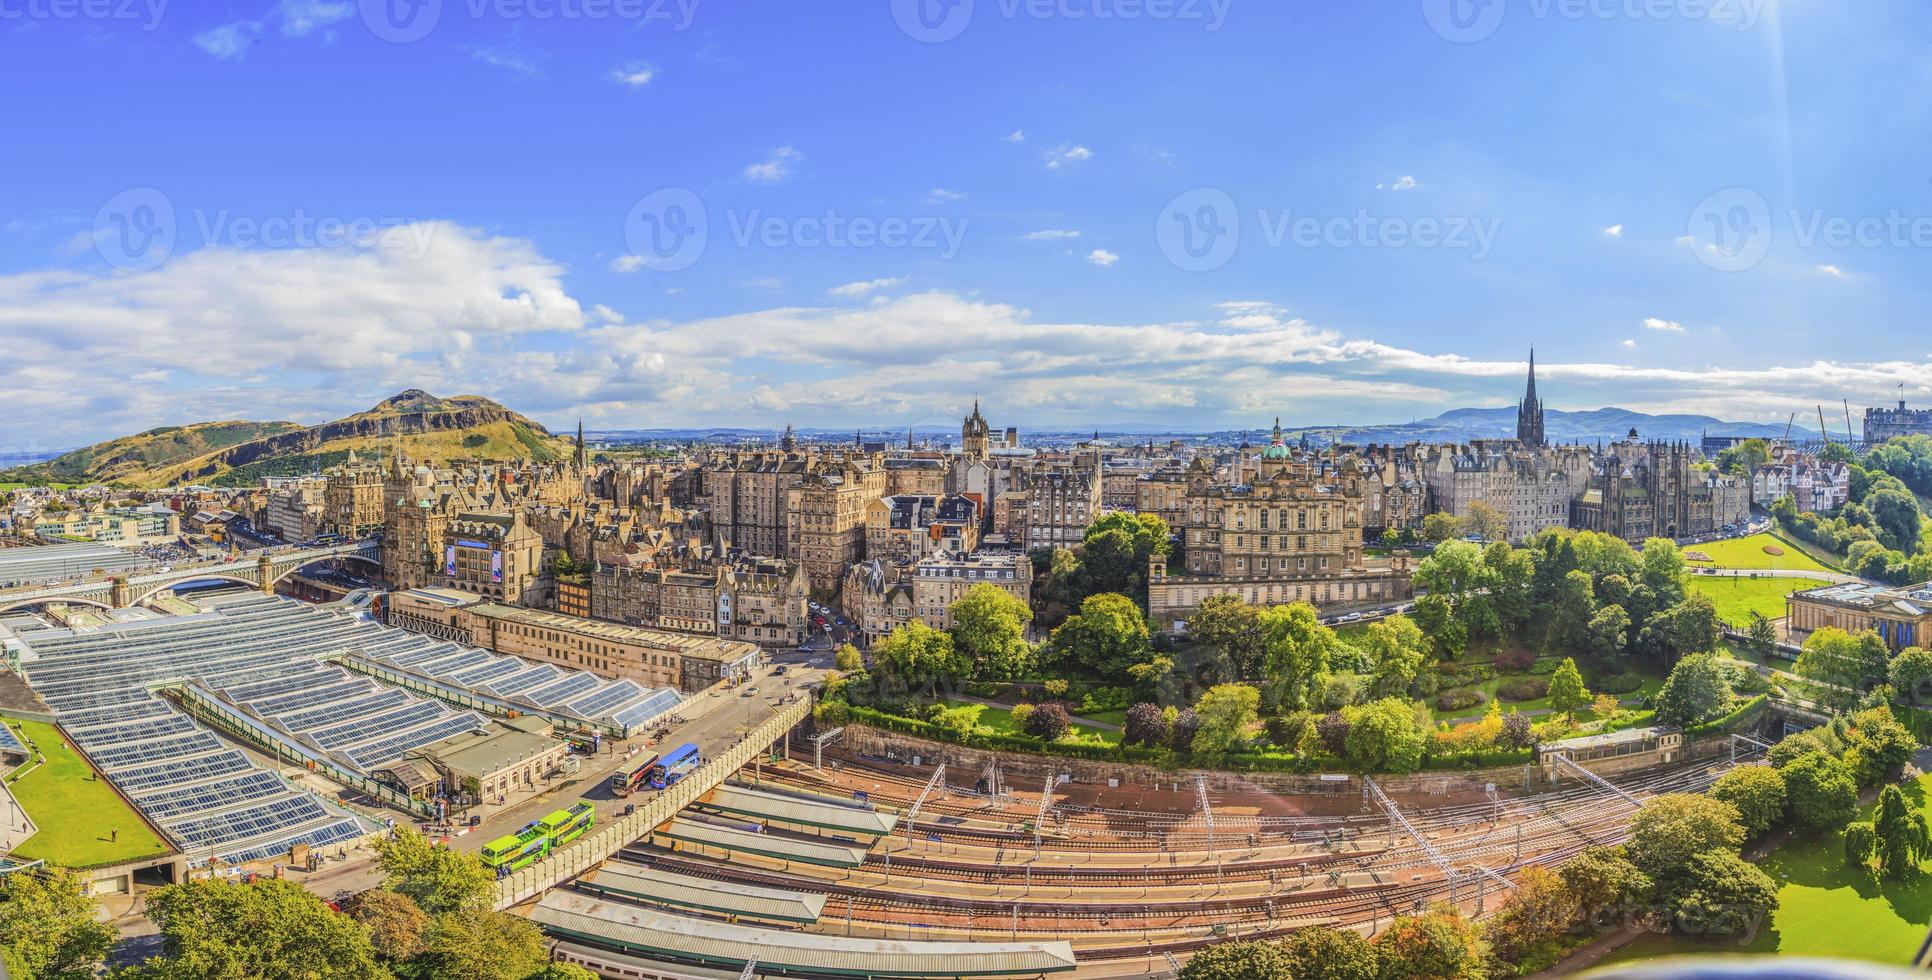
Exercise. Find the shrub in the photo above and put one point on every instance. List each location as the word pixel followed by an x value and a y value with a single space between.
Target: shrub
pixel 1181 734
pixel 1524 689
pixel 1021 712
pixel 1618 683
pixel 1545 666
pixel 1332 729
pixel 1056 687
pixel 1514 661
pixel 1048 722
pixel 1460 698
pixel 1146 725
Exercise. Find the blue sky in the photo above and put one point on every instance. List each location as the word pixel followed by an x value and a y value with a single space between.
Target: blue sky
pixel 262 210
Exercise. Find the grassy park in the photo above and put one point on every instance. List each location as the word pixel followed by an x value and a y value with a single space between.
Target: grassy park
pixel 82 822
pixel 1000 720
pixel 1737 598
pixel 1758 551
pixel 1824 907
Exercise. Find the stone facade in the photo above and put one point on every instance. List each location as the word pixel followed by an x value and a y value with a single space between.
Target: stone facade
pixel 943 579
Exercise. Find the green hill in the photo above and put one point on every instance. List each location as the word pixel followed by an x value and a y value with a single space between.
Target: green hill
pixel 240 453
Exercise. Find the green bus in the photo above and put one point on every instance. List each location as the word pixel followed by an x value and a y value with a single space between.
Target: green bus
pixel 518 850
pixel 564 826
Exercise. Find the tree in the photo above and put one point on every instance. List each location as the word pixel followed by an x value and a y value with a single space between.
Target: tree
pixel 1758 794
pixel 1298 648
pixel 989 628
pixel 394 922
pixel 1180 733
pixel 1819 791
pixel 1690 626
pixel 1483 521
pixel 919 657
pixel 562 971
pixel 1232 628
pixel 1897 514
pixel 478 944
pixel 1115 549
pixel 848 659
pixel 1877 746
pixel 1239 960
pixel 270 929
pixel 1439 943
pixel 1049 722
pixel 1383 736
pixel 1697 689
pixel 1572 613
pixel 1609 631
pixel 1567 692
pixel 47 926
pixel 1896 837
pixel 1108 635
pixel 1604 885
pixel 1763 633
pixel 1911 676
pixel 1537 912
pixel 1228 713
pixel 1671 828
pixel 1322 953
pixel 1745 457
pixel 1517 733
pixel 1842 664
pixel 1146 724
pixel 435 877
pixel 1438 527
pixel 1719 893
pixel 1395 650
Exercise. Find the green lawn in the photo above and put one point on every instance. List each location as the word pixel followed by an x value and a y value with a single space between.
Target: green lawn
pixel 1749 553
pixel 1001 721
pixel 1652 684
pixel 83 822
pixel 1737 598
pixel 1824 907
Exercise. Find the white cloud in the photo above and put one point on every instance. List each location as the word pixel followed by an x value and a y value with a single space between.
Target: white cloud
pixel 635 74
pixel 1101 257
pixel 1067 156
pixel 1016 136
pixel 230 42
pixel 1402 183
pixel 508 58
pixel 627 263
pixel 1050 235
pixel 1614 231
pixel 1832 271
pixel 776 170
pixel 1668 326
pixel 300 18
pixel 1686 239
pixel 941 195
pixel 854 290
pixel 1629 343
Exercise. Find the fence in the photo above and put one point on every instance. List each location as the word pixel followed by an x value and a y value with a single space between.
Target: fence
pixel 593 848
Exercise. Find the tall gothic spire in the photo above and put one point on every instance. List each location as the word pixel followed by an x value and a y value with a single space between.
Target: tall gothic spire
pixel 1529 414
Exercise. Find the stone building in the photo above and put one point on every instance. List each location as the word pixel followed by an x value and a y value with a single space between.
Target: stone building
pixel 825 520
pixel 1060 503
pixel 940 580
pixel 877 598
pixel 747 496
pixel 757 600
pixel 908 527
pixel 1531 489
pixel 1294 534
pixel 1901 616
pixel 294 511
pixel 352 499
pixel 1658 489
pixel 1887 423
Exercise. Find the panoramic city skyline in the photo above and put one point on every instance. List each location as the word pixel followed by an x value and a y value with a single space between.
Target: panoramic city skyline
pixel 1196 215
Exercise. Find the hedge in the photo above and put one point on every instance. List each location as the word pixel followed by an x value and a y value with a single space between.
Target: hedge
pixel 1730 719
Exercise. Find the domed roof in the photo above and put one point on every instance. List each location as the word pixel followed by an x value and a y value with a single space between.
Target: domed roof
pixel 1276 451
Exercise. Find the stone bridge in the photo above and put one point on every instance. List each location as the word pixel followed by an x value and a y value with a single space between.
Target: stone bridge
pixel 261 569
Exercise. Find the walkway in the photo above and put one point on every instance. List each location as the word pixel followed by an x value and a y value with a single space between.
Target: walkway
pixel 1838 577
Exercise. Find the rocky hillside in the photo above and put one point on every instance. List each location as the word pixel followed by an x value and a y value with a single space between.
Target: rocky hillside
pixel 229 453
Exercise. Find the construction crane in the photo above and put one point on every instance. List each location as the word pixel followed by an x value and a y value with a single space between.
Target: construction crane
pixel 1822 431
pixel 1787 428
pixel 1849 438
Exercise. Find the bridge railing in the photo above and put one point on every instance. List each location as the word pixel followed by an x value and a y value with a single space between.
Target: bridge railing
pixel 595 847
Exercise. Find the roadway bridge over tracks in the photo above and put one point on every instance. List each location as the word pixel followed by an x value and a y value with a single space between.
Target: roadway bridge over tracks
pixel 261 569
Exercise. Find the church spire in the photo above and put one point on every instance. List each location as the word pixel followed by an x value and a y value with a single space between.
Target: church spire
pixel 1529 414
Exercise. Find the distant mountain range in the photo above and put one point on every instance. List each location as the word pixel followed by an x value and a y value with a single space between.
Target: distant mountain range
pixel 1456 425
pixel 241 453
